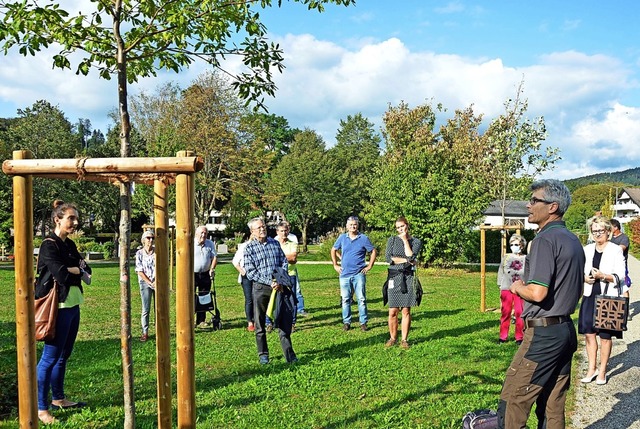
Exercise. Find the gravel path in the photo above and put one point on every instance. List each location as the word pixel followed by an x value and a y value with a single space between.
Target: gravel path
pixel 615 405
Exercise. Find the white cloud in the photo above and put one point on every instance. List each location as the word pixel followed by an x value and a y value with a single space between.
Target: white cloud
pixel 564 87
pixel 578 94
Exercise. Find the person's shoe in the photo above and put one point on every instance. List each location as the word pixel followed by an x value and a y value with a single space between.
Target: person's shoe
pixel 251 327
pixel 203 325
pixel 390 343
pixel 293 328
pixel 518 342
pixel 589 379
pixel 144 338
pixel 264 360
pixel 602 382
pixel 293 359
pixel 405 345
pixel 269 328
pixel 363 327
pixel 303 313
pixel 346 327
pixel 66 404
pixel 501 341
pixel 46 418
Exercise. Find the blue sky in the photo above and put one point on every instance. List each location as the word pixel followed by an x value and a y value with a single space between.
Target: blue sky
pixel 579 60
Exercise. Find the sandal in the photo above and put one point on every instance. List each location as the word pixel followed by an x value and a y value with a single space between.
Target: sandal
pixel 405 345
pixel 390 343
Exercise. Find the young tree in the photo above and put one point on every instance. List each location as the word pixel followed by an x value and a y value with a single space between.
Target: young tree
pixel 134 39
pixel 514 155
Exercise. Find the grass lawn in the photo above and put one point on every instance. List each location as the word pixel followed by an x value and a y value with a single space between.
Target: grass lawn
pixel 343 379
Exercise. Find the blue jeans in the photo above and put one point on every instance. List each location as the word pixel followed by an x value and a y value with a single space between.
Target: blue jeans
pixel 146 294
pixel 358 284
pixel 299 297
pixel 53 362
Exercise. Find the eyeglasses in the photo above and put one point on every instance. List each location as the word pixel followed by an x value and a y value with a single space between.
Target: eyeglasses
pixel 534 200
pixel 150 238
pixel 598 231
pixel 260 227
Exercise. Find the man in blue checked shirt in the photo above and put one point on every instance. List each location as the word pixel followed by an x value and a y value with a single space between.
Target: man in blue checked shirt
pixel 261 258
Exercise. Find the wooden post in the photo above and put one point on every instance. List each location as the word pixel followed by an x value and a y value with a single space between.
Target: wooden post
pixel 185 299
pixel 163 352
pixel 172 240
pixel 483 271
pixel 25 319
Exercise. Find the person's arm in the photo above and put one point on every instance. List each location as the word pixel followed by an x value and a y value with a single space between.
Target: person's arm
pixel 214 263
pixel 372 260
pixel 140 269
pixel 530 292
pixel 51 256
pixel 334 259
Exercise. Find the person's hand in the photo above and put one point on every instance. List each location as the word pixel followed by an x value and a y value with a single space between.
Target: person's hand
pixel 515 285
pixel 589 279
pixel 338 268
pixel 365 270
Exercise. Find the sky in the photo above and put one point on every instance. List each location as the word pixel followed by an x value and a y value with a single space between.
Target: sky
pixel 579 61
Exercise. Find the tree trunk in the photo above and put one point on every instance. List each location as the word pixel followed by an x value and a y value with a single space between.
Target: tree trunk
pixel 125 234
pixel 305 227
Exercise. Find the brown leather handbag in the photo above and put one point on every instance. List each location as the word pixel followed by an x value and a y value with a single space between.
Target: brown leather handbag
pixel 46 307
pixel 46 312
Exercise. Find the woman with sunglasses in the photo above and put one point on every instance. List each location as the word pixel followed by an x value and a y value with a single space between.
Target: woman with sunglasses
pixel 604 265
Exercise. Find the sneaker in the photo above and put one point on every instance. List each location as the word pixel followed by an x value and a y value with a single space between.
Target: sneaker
pixel 269 328
pixel 405 345
pixel 346 327
pixel 203 325
pixel 501 341
pixel 144 338
pixel 518 342
pixel 251 328
pixel 390 343
pixel 264 359
pixel 293 359
pixel 363 327
pixel 303 313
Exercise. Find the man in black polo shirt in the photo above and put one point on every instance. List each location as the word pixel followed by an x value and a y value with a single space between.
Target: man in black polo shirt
pixel 541 368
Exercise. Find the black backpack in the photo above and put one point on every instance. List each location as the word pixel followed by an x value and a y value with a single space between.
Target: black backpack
pixel 480 419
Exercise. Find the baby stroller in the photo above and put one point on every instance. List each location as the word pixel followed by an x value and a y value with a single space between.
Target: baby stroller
pixel 206 301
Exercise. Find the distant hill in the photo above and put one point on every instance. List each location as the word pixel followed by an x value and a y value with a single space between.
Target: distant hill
pixel 629 177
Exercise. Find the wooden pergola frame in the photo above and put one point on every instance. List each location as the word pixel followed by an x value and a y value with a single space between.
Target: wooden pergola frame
pixel 483 257
pixel 157 171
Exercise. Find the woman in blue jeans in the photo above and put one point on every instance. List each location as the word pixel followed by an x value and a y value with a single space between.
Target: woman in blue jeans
pixel 59 259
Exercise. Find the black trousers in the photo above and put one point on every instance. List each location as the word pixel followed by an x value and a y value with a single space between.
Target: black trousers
pixel 203 284
pixel 261 295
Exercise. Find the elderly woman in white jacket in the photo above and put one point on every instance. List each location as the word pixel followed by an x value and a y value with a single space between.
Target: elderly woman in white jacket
pixel 604 264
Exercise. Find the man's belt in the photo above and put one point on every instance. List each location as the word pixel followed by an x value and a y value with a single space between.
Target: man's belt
pixel 546 321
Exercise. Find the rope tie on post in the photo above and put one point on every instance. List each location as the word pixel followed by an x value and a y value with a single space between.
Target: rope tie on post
pixel 80 168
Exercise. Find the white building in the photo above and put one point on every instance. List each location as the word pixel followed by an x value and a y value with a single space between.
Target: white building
pixel 515 214
pixel 627 206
